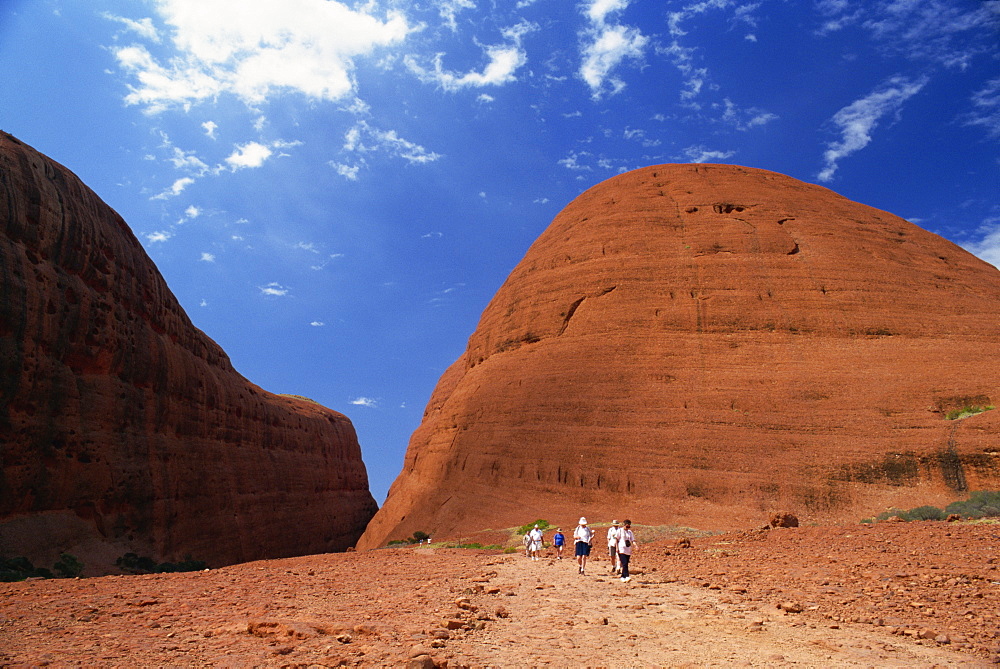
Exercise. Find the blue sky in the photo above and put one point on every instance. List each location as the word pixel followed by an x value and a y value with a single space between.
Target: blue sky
pixel 335 190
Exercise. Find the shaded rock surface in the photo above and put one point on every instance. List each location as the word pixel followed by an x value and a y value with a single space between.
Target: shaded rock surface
pixel 704 345
pixel 125 428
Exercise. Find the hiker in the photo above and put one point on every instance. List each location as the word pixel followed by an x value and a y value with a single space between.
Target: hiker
pixel 558 540
pixel 613 532
pixel 584 537
pixel 626 544
pixel 535 548
pixel 526 540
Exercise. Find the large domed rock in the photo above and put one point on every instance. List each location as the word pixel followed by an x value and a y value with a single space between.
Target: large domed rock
pixel 701 345
pixel 124 428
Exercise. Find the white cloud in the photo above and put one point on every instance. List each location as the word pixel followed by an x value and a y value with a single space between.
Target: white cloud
pixel 349 172
pixel 606 46
pixel 700 154
pixel 856 121
pixel 210 128
pixel 572 162
pixel 251 154
pixel 317 324
pixel 364 139
pixel 207 257
pixel 188 162
pixel 504 61
pixel 449 9
pixel 274 289
pixel 988 246
pixel 940 31
pixel 365 402
pixel 192 212
pixel 254 49
pixel 986 108
pixel 161 236
pixel 745 119
pixel 143 27
pixel 203 303
pixel 432 235
pixel 175 189
pixel 683 59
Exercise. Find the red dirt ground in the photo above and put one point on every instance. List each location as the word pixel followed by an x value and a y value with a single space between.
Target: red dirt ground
pixel 894 594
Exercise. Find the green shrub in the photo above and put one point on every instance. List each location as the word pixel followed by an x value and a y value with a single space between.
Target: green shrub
pixel 926 513
pixel 511 549
pixel 542 525
pixel 20 568
pixel 68 566
pixel 889 513
pixel 966 411
pixel 981 504
pixel 130 563
pixel 419 536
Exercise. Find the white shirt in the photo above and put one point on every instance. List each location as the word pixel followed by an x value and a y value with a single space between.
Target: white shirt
pixel 583 533
pixel 535 535
pixel 623 536
pixel 613 535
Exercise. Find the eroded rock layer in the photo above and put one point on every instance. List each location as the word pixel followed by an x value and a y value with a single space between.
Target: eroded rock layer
pixel 701 345
pixel 125 428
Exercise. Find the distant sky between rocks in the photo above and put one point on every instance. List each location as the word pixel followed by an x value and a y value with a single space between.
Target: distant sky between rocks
pixel 335 190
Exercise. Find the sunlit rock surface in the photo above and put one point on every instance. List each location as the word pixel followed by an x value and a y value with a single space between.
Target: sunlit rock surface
pixel 702 345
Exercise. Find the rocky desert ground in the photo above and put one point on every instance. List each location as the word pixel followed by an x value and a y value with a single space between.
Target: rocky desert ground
pixel 921 594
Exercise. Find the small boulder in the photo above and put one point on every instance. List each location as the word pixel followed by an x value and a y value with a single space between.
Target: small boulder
pixel 783 519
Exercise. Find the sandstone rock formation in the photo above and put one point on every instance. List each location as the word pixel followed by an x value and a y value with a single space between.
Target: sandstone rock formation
pixel 122 426
pixel 703 345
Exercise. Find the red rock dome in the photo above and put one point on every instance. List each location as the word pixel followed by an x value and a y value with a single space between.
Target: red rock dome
pixel 123 428
pixel 702 345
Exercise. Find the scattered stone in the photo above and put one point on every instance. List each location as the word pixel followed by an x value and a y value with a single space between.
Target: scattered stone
pixel 421 662
pixel 784 519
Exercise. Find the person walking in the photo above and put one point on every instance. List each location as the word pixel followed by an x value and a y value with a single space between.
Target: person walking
pixel 613 546
pixel 535 548
pixel 584 537
pixel 626 544
pixel 559 540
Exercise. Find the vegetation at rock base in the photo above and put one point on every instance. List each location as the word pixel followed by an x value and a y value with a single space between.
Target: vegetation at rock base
pixel 967 411
pixel 542 525
pixel 417 538
pixel 981 504
pixel 68 566
pixel 21 568
pixel 130 563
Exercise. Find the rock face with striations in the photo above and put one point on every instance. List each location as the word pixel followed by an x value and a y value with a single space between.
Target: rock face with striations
pixel 124 428
pixel 702 345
